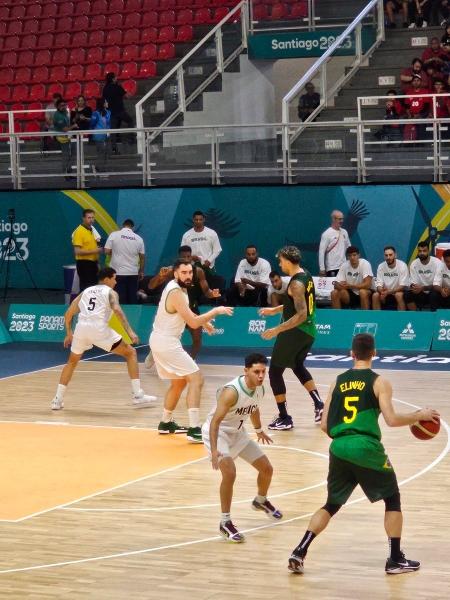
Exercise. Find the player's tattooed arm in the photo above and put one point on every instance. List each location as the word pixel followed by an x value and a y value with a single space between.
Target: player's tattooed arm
pixel 117 310
pixel 297 292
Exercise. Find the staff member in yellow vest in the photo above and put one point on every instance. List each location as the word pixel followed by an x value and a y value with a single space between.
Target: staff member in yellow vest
pixel 86 250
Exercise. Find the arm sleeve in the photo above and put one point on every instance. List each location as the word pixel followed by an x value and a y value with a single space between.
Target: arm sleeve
pixel 77 238
pixel 216 249
pixel 322 247
pixel 367 270
pixel 438 275
pixel 341 274
pixel 142 247
pixel 403 276
pixel 265 273
pixel 379 278
pixel 413 275
pixel 108 243
pixel 239 273
pixel 184 240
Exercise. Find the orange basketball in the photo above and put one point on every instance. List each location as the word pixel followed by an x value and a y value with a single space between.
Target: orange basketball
pixel 425 430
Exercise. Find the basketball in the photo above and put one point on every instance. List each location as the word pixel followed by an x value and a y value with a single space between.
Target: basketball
pixel 425 430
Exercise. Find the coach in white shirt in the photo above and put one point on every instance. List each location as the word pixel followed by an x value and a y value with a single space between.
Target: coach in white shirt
pixel 391 281
pixel 440 296
pixel 422 272
pixel 127 259
pixel 353 282
pixel 251 280
pixel 203 241
pixel 277 288
pixel 333 244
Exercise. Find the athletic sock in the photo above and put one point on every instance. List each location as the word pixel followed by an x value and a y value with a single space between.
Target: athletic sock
pixel 166 416
pixel 260 499
pixel 302 548
pixel 282 409
pixel 225 517
pixel 60 391
pixel 194 417
pixel 136 386
pixel 394 544
pixel 316 399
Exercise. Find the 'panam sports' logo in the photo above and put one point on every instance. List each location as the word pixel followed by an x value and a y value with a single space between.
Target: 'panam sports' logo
pixel 408 333
pixel 257 326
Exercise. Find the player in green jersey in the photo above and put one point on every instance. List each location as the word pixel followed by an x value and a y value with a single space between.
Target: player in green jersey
pixel 357 456
pixel 295 336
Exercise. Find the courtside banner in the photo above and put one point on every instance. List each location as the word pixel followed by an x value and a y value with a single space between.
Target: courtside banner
pixel 4 335
pixel 441 333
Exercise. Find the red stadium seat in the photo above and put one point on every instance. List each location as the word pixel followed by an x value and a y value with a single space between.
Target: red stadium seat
pixel 39 74
pixel 62 40
pixel 20 93
pixel 12 42
pixel 6 76
pixel 112 67
pixel 79 39
pixel 75 73
pixel 185 33
pixel 35 106
pixel 96 38
pixel 116 6
pixel 45 40
pixel 202 16
pixel 37 91
pixel 92 90
pixel 54 88
pixel 22 75
pixel 94 55
pixel 279 11
pixel 60 56
pixel 114 21
pixel 113 37
pixel 29 41
pixel 166 34
pixel 133 5
pixel 99 7
pixel 184 3
pixel 150 19
pixel 26 59
pixel 31 26
pixel 5 93
pixel 83 7
pixel 185 17
pixel 131 36
pixel 299 10
pixel 80 23
pixel 17 12
pixel 64 24
pixel 149 52
pixel 98 23
pixel 150 34
pixel 129 70
pixel 50 10
pixel 31 127
pixel 66 9
pixel 2 28
pixel 147 69
pixel 4 12
pixel 18 108
pixel 201 3
pixel 166 51
pixel 167 17
pixel 49 25
pixel 77 56
pixel 58 73
pixel 34 10
pixel 260 12
pixel 93 72
pixel 130 52
pixel 132 20
pixel 9 59
pixel 3 115
pixel 166 4
pixel 220 13
pixel 150 4
pixel 130 86
pixel 113 53
pixel 72 90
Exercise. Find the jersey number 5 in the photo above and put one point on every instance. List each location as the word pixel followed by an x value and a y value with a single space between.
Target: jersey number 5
pixel 91 305
pixel 352 410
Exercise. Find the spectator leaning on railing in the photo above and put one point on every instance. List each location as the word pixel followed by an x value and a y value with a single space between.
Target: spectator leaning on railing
pixel 81 114
pixel 61 124
pixel 100 120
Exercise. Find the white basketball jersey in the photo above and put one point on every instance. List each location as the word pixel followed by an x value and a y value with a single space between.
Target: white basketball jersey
pixel 247 403
pixel 94 305
pixel 166 323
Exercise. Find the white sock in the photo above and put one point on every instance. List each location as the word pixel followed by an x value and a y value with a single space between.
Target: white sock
pixel 166 416
pixel 260 499
pixel 60 391
pixel 225 517
pixel 194 417
pixel 136 386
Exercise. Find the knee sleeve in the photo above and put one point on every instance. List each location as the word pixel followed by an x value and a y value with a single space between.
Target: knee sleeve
pixel 302 374
pixel 276 380
pixel 331 508
pixel 393 503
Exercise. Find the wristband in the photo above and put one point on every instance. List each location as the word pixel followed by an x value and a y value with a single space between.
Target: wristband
pixel 258 430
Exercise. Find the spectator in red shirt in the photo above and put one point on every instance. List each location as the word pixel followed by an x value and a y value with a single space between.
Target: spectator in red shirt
pixel 433 76
pixel 442 102
pixel 394 110
pixel 407 75
pixel 434 55
pixel 417 106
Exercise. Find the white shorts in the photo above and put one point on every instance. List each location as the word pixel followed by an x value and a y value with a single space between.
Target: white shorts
pixel 85 336
pixel 233 444
pixel 171 360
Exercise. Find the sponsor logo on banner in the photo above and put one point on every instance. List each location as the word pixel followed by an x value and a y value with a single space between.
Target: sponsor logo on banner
pixel 17 248
pixel 444 331
pixel 257 326
pixel 408 333
pixel 51 323
pixel 365 328
pixel 22 322
pixel 323 328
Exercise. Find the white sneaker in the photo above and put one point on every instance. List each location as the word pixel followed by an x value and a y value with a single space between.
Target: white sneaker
pixel 149 361
pixel 141 400
pixel 424 24
pixel 412 26
pixel 57 403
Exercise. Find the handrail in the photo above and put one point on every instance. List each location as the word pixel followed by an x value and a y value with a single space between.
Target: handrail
pixel 210 34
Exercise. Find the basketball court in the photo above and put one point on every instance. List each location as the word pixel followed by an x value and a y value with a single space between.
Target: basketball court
pixel 94 503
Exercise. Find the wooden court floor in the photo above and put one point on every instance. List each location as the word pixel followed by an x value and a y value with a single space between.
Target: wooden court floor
pixel 94 504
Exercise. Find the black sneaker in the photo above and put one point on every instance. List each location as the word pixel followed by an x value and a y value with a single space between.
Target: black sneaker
pixel 395 567
pixel 194 435
pixel 171 427
pixel 296 564
pixel 230 533
pixel 318 411
pixel 268 508
pixel 281 423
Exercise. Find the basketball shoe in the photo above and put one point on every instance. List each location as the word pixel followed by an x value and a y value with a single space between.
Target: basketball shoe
pixel 171 427
pixel 281 423
pixel 57 403
pixel 194 435
pixel 296 564
pixel 141 400
pixel 395 567
pixel 149 361
pixel 230 533
pixel 268 508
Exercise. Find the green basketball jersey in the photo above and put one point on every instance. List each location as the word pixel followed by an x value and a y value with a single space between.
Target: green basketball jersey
pixel 309 325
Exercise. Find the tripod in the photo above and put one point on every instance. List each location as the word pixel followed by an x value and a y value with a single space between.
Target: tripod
pixel 9 252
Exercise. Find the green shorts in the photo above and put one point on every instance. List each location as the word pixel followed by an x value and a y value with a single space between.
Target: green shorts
pixel 291 348
pixel 344 476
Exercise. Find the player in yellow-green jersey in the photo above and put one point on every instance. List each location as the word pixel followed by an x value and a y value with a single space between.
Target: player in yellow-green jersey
pixel 357 456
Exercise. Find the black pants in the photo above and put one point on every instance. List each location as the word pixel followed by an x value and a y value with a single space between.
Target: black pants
pixel 87 272
pixel 127 286
pixel 116 123
pixel 437 301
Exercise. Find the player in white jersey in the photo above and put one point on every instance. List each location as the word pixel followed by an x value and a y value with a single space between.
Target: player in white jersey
pixel 171 360
pixel 391 281
pixel 94 307
pixel 440 295
pixel 225 438
pixel 422 272
pixel 353 282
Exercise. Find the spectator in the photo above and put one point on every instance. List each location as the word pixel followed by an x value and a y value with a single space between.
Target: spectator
pixel 61 124
pixel 422 273
pixel 100 120
pixel 391 281
pixel 442 102
pixel 434 55
pixel 251 280
pixel 394 110
pixel 407 75
pixel 48 126
pixel 204 243
pixel 353 283
pixel 434 75
pixel 440 294
pixel 277 288
pixel 81 115
pixel 334 241
pixel 86 248
pixel 417 107
pixel 308 102
pixel 114 93
pixel 393 6
pixel 127 252
pixel 445 12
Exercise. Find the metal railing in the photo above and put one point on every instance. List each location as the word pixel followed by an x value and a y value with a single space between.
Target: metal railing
pixel 352 40
pixel 175 78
